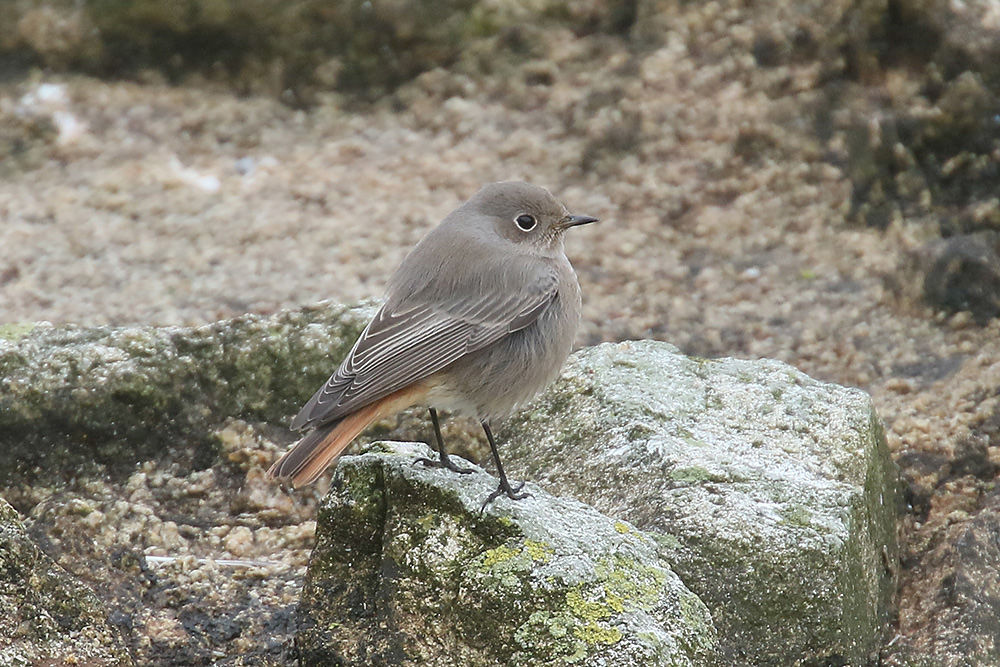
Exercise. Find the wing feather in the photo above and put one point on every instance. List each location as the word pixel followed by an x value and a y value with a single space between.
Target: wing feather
pixel 403 345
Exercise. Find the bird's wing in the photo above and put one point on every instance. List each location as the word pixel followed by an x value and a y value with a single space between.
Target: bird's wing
pixel 407 343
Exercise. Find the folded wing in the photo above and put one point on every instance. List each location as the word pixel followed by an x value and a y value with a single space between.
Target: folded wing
pixel 401 346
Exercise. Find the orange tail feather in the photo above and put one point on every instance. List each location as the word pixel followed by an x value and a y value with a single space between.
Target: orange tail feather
pixel 314 453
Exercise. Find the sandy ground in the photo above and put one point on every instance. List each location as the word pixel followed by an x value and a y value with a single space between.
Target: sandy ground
pixel 144 204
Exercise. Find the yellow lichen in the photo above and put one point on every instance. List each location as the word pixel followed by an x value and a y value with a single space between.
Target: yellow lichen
pixel 632 583
pixel 500 554
pixel 538 551
pixel 595 633
pixel 587 610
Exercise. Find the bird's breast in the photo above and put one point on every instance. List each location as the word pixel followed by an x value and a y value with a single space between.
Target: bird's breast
pixel 492 382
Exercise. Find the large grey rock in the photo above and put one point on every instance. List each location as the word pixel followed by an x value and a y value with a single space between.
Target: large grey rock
pixel 46 616
pixel 408 571
pixel 71 395
pixel 774 493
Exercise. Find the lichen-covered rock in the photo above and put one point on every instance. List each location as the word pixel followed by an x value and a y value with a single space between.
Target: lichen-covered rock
pixel 408 571
pixel 774 494
pixel 70 395
pixel 46 616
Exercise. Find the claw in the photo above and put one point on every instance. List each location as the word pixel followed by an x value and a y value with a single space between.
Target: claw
pixel 444 462
pixel 505 489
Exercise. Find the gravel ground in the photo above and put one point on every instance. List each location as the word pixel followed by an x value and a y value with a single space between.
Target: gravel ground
pixel 723 231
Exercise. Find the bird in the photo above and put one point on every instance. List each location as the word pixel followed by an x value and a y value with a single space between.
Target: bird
pixel 479 317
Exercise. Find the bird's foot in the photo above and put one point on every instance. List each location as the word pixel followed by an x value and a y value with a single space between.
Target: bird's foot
pixel 505 489
pixel 445 462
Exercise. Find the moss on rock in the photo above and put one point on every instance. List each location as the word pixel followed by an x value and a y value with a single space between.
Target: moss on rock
pixel 46 616
pixel 408 571
pixel 71 396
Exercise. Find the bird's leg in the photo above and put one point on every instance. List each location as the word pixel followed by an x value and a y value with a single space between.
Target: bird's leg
pixel 443 461
pixel 504 488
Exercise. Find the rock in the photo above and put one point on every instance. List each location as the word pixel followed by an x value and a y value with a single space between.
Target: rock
pixel 408 571
pixel 963 274
pixel 115 396
pixel 958 276
pixel 926 152
pixel 46 616
pixel 959 36
pixel 774 494
pixel 952 615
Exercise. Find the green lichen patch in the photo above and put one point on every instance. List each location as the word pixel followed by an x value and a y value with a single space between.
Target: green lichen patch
pixel 630 583
pixel 690 474
pixel 585 609
pixel 517 556
pixel 595 633
pixel 16 330
pixel 798 515
pixel 499 555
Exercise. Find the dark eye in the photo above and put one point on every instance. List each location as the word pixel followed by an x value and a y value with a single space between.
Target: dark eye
pixel 525 222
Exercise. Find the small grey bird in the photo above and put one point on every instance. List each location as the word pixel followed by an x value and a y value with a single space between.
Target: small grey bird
pixel 478 318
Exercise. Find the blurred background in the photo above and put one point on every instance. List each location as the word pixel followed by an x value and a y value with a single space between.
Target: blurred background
pixel 816 182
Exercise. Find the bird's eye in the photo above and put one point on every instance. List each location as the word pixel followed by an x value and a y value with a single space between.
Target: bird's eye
pixel 525 222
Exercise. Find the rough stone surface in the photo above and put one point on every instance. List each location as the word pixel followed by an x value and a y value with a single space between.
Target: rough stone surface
pixel 955 615
pixel 924 150
pixel 964 275
pixel 46 616
pixel 195 567
pixel 774 493
pixel 408 571
pixel 115 395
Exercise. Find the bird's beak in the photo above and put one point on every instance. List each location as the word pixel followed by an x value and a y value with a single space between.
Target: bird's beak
pixel 574 220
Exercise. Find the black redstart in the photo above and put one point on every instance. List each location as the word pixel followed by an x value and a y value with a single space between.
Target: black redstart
pixel 478 318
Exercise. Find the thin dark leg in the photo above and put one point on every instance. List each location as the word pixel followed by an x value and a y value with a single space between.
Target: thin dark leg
pixel 443 461
pixel 504 488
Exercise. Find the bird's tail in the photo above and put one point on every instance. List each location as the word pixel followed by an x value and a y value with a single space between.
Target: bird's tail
pixel 314 453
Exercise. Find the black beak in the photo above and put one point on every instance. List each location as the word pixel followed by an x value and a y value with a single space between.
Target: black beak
pixel 575 220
